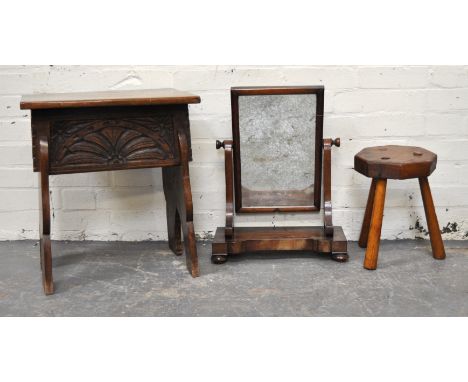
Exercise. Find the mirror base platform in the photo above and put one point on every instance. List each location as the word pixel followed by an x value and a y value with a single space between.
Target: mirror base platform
pixel 266 239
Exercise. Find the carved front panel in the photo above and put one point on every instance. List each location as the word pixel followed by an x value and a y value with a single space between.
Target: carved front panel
pixel 107 144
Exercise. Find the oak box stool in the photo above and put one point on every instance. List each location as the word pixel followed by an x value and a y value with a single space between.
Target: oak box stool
pixel 395 162
pixel 115 130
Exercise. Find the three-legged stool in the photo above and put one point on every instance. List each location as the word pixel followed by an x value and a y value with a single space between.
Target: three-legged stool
pixel 395 162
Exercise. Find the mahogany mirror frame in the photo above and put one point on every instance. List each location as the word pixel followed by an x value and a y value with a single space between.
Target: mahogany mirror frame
pixel 237 92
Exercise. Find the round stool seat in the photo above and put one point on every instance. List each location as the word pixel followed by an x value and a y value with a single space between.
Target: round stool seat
pixel 395 162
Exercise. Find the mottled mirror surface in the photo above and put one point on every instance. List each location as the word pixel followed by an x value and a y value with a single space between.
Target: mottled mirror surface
pixel 277 149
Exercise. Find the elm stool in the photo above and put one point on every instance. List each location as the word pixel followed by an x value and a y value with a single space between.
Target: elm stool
pixel 395 162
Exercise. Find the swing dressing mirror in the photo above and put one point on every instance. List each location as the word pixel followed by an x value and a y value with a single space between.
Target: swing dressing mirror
pixel 274 164
pixel 277 145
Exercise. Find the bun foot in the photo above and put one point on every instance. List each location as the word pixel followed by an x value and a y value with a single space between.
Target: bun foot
pixel 340 257
pixel 218 259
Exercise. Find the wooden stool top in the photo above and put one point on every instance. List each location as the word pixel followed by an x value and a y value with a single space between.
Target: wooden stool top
pixel 395 162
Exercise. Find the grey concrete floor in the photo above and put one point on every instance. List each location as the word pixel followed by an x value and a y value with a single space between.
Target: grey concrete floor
pixel 146 279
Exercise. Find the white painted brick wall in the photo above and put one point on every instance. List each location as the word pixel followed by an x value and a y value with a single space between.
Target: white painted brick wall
pixel 423 105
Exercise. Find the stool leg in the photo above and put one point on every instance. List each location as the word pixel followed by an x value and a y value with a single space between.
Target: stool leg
pixel 173 218
pixel 367 216
pixel 176 180
pixel 372 252
pixel 44 212
pixel 438 251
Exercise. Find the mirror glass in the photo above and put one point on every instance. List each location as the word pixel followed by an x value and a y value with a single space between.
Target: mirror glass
pixel 277 149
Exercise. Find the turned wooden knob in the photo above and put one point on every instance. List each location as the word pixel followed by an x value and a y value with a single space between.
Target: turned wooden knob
pixel 219 144
pixel 336 142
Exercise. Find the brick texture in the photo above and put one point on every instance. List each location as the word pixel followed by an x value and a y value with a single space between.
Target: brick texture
pixel 364 105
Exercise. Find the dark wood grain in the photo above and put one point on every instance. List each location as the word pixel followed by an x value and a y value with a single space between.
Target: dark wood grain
pixel 44 219
pixel 254 239
pixel 78 133
pixel 367 216
pixel 236 151
pixel 230 240
pixel 229 173
pixel 272 90
pixel 373 242
pixel 316 129
pixel 111 138
pixel 284 200
pixel 107 144
pixel 395 162
pixel 108 98
pixel 327 203
pixel 438 250
pixel 178 194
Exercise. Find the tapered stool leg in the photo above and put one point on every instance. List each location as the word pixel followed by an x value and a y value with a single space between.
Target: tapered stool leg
pixel 367 216
pixel 372 252
pixel 438 251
